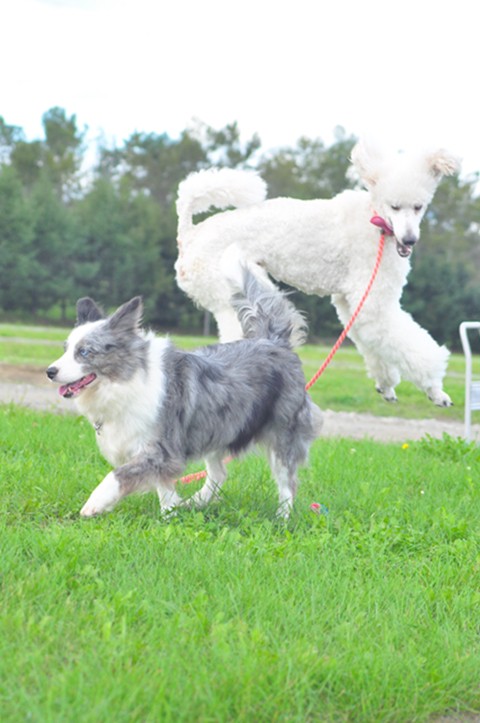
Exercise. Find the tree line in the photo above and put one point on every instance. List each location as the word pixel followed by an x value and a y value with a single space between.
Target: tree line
pixel 110 232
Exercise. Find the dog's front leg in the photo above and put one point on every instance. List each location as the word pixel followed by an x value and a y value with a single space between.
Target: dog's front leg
pixel 369 341
pixel 144 473
pixel 411 355
pixel 396 347
pixel 104 497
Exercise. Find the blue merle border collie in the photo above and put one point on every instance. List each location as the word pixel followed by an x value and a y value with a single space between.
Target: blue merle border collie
pixel 155 407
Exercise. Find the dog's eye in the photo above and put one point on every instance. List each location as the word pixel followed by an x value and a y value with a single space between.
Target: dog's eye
pixel 83 351
pixel 395 207
pixel 418 207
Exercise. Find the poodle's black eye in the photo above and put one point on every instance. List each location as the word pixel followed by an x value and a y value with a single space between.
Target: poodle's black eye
pixel 418 207
pixel 395 207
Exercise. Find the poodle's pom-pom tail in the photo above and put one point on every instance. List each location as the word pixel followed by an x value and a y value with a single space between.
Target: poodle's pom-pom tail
pixel 217 188
pixel 263 310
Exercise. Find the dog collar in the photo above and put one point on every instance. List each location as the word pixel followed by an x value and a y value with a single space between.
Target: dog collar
pixel 382 224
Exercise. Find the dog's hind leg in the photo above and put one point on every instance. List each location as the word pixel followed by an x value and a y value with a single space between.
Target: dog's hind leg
pixel 216 476
pixel 168 497
pixel 287 483
pixel 380 368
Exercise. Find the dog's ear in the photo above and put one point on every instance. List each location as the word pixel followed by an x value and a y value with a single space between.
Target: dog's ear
pixel 87 310
pixel 442 163
pixel 127 317
pixel 366 160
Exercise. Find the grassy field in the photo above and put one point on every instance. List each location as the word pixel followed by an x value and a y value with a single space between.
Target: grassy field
pixel 343 387
pixel 368 613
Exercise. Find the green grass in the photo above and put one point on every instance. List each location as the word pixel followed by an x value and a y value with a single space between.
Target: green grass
pixel 23 331
pixel 343 387
pixel 369 613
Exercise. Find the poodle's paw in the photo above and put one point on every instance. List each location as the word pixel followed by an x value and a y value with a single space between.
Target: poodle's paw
pixel 439 397
pixel 388 393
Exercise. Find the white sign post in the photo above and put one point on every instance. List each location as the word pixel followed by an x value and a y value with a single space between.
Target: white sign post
pixel 472 388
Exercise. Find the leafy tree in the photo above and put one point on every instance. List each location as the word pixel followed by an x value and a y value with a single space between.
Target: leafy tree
pixel 310 170
pixel 444 284
pixel 63 151
pixel 103 246
pixel 441 295
pixel 58 157
pixel 53 249
pixel 119 254
pixel 9 137
pixel 224 147
pixel 150 264
pixel 16 251
pixel 27 159
pixel 153 164
pixel 147 170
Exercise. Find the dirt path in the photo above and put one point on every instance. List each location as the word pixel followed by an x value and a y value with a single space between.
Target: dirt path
pixel 27 386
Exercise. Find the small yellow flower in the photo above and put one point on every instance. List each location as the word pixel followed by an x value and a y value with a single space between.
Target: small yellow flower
pixel 405 446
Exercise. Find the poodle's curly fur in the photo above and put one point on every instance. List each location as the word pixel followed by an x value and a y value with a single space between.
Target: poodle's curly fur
pixel 324 247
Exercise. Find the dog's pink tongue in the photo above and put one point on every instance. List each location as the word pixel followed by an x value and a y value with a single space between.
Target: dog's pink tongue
pixel 69 390
pixel 66 390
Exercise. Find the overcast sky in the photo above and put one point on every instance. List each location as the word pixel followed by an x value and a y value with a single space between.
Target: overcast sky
pixel 405 72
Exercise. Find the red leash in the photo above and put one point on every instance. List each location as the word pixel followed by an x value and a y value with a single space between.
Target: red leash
pixel 351 322
pixel 386 229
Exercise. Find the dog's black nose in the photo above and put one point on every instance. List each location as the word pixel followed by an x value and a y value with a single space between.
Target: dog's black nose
pixel 52 372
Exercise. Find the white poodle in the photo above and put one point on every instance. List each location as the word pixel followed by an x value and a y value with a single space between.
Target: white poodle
pixel 324 247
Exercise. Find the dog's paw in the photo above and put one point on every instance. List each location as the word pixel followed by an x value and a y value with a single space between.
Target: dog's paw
pixel 388 393
pixel 198 501
pixel 90 510
pixel 103 498
pixel 439 397
pixel 188 503
pixel 169 512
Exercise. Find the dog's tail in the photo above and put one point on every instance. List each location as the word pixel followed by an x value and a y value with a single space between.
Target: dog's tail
pixel 263 310
pixel 218 188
